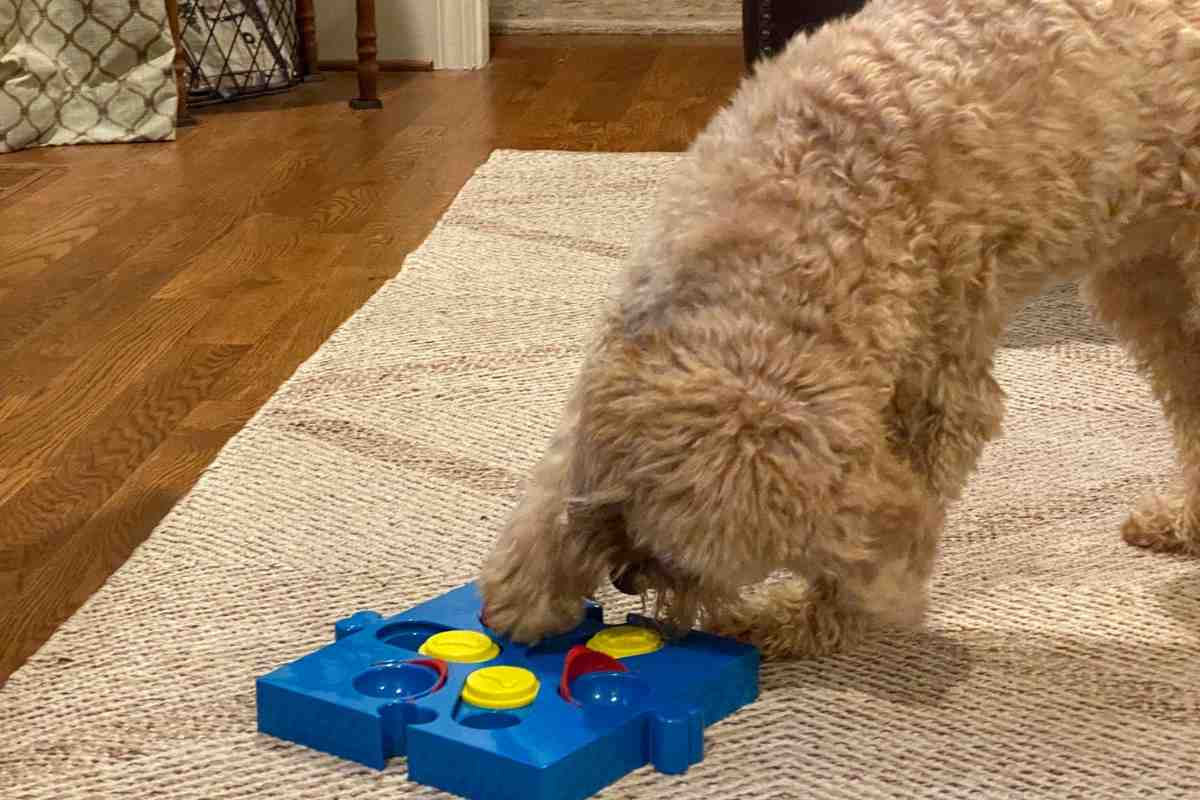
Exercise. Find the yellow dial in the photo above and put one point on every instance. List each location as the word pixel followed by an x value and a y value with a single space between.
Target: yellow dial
pixel 461 647
pixel 626 641
pixel 501 687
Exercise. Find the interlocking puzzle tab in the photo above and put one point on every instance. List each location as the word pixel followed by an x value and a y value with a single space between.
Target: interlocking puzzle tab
pixel 487 719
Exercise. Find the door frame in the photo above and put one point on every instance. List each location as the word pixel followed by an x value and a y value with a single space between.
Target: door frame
pixel 462 34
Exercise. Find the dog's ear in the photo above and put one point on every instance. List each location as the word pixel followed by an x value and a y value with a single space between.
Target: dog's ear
pixel 603 524
pixel 601 520
pixel 595 499
pixel 598 529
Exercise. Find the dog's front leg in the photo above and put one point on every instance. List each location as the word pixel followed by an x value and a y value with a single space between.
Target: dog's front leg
pixel 869 568
pixel 544 564
pixel 794 619
pixel 1153 306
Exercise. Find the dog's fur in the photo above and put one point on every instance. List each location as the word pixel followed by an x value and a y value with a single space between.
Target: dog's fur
pixel 797 372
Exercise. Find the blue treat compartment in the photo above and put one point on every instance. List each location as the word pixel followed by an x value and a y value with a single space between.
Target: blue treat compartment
pixel 408 635
pixel 397 680
pixel 611 690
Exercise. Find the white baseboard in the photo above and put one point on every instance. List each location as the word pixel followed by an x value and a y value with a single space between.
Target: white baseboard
pixel 462 34
pixel 719 25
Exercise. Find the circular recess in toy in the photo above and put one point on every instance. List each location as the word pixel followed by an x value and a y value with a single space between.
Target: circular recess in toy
pixel 399 680
pixel 548 654
pixel 489 721
pixel 398 715
pixel 501 688
pixel 626 641
pixel 610 689
pixel 460 647
pixel 408 635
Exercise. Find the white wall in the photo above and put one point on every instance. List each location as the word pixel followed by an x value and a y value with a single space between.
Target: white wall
pixel 407 29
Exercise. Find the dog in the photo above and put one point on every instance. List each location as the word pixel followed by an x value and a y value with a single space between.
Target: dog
pixel 795 374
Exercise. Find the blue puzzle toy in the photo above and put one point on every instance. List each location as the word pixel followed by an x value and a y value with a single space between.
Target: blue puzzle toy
pixel 487 719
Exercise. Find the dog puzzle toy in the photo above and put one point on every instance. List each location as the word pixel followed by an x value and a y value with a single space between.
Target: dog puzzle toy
pixel 487 719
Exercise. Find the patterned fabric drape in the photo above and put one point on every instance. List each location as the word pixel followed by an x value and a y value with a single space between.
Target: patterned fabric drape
pixel 75 72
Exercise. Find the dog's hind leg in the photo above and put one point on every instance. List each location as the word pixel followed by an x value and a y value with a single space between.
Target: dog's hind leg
pixel 1153 305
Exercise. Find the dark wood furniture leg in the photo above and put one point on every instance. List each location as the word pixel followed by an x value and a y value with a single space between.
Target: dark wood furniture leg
pixel 768 25
pixel 183 116
pixel 368 64
pixel 306 22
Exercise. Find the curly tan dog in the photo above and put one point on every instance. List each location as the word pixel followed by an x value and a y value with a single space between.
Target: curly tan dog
pixel 797 372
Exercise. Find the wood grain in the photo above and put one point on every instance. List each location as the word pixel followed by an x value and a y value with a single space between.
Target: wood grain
pixel 16 177
pixel 50 525
pixel 153 296
pixel 41 427
pixel 13 478
pixel 23 258
pixel 103 452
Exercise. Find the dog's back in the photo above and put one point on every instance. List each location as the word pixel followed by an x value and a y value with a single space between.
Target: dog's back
pixel 798 371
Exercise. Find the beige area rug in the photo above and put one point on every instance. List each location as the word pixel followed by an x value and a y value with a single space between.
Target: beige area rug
pixel 616 16
pixel 1059 663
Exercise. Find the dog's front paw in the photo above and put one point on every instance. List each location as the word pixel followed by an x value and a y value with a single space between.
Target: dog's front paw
pixel 529 624
pixel 527 616
pixel 789 621
pixel 1161 523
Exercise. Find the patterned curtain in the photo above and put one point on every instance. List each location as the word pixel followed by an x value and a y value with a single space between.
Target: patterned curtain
pixel 75 72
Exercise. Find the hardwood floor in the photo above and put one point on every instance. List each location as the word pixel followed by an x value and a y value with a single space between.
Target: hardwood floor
pixel 153 296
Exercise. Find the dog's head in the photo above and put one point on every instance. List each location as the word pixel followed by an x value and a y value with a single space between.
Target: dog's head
pixel 707 453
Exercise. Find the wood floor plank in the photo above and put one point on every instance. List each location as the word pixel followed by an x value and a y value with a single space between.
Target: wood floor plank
pixel 262 249
pixel 152 297
pixel 295 336
pixel 219 417
pixel 47 207
pixel 43 514
pixel 615 82
pixel 347 208
pixel 400 225
pixel 353 160
pixel 23 256
pixel 9 403
pixel 151 258
pixel 13 479
pixel 249 314
pixel 32 302
pixel 43 425
pixel 17 177
pixel 58 586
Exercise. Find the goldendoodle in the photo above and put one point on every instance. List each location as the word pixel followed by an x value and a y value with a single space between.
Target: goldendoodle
pixel 796 374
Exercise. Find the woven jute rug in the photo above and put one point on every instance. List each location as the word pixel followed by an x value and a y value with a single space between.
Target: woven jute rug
pixel 1059 663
